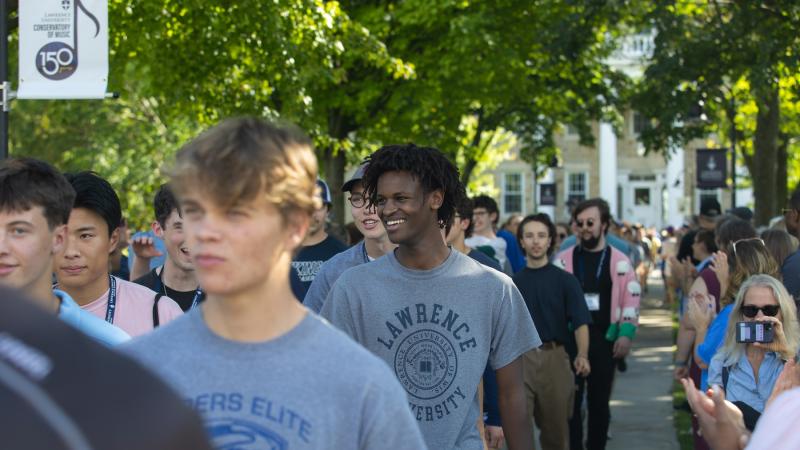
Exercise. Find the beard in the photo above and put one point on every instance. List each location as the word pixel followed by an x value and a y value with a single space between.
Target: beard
pixel 591 243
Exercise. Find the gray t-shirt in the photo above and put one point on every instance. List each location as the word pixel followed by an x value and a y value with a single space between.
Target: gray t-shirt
pixel 436 329
pixel 311 388
pixel 330 271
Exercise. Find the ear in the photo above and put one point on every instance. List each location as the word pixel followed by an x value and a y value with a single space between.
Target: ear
pixel 297 224
pixel 436 199
pixel 113 240
pixel 464 223
pixel 493 217
pixel 59 239
pixel 156 227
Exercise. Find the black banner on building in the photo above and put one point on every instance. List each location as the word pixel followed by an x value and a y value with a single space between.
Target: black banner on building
pixel 547 194
pixel 712 168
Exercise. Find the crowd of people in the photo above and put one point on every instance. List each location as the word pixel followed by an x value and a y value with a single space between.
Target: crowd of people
pixel 739 334
pixel 435 326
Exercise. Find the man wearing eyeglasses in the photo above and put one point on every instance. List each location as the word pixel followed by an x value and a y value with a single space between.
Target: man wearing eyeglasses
pixel 376 243
pixel 791 267
pixel 612 295
pixel 318 246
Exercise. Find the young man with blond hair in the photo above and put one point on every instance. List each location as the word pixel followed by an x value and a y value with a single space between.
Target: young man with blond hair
pixel 252 360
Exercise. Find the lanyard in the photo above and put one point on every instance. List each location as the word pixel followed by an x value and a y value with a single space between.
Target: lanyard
pixel 364 251
pixel 599 266
pixel 160 286
pixel 111 306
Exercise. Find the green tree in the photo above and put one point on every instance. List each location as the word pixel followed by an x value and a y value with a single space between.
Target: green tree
pixel 706 53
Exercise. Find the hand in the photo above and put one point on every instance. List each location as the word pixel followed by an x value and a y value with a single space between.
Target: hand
pixel 721 422
pixel 787 380
pixel 622 347
pixel 494 436
pixel 144 247
pixel 688 268
pixel 676 267
pixel 582 367
pixel 701 309
pixel 778 344
pixel 719 264
pixel 680 372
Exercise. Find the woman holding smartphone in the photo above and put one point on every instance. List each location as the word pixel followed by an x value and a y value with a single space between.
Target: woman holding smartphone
pixel 748 370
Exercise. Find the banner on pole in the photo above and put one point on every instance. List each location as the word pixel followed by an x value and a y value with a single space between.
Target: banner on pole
pixel 63 49
pixel 547 194
pixel 712 168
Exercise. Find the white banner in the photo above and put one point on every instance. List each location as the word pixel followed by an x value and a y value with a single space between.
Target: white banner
pixel 63 49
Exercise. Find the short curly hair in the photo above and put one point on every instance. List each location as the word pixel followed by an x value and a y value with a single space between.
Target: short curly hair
pixel 428 165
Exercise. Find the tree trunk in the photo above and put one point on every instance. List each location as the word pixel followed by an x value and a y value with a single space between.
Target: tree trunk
pixel 339 127
pixel 782 177
pixel 765 144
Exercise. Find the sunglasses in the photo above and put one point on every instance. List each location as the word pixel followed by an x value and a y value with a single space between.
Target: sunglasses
pixel 589 223
pixel 357 200
pixel 751 311
pixel 747 240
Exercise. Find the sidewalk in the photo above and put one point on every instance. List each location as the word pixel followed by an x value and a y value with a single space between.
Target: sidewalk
pixel 641 404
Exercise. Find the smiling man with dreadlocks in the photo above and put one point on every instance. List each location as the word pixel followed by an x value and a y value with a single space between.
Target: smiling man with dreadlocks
pixel 435 315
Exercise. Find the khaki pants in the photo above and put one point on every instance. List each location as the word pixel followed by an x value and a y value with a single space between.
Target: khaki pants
pixel 550 392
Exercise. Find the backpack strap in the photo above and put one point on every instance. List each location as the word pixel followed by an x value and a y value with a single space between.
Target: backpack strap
pixel 725 375
pixel 155 310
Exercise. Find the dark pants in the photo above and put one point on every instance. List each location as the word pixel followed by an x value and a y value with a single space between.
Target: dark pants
pixel 598 393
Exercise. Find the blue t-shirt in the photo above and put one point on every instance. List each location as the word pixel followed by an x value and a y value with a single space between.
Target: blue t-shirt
pixel 91 325
pixel 714 339
pixel 513 252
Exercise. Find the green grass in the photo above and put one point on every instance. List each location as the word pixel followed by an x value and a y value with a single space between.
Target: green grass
pixel 682 419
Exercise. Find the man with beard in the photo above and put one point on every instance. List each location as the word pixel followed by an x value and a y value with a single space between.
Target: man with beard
pixel 175 279
pixel 375 244
pixel 433 314
pixel 318 245
pixel 612 295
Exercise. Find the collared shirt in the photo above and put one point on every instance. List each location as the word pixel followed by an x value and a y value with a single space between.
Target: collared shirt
pixel 93 326
pixel 742 384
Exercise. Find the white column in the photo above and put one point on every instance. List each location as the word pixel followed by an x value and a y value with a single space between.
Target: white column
pixel 676 207
pixel 608 166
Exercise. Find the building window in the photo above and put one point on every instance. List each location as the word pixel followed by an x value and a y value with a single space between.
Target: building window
pixel 512 193
pixel 641 196
pixel 577 188
pixel 640 123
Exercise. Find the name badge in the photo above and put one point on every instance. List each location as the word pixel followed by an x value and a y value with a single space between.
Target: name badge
pixel 593 301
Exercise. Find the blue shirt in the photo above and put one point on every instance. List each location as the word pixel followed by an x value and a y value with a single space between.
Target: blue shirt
pixel 89 324
pixel 513 252
pixel 742 386
pixel 714 338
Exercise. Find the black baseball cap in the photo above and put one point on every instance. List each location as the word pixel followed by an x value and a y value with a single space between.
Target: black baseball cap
pixel 709 207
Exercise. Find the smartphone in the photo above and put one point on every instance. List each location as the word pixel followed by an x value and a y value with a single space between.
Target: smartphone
pixel 749 332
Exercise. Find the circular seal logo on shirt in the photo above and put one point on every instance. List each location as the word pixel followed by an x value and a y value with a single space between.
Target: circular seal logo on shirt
pixel 236 434
pixel 426 364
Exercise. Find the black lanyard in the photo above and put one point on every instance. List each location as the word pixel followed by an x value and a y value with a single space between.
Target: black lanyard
pixel 111 306
pixel 364 251
pixel 160 286
pixel 579 266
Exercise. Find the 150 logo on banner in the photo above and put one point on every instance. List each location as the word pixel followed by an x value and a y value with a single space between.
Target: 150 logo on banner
pixel 58 60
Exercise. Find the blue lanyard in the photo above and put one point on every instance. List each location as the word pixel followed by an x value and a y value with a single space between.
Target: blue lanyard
pixel 599 266
pixel 198 293
pixel 111 306
pixel 196 300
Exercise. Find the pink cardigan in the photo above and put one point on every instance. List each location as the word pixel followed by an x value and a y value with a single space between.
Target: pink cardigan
pixel 625 292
